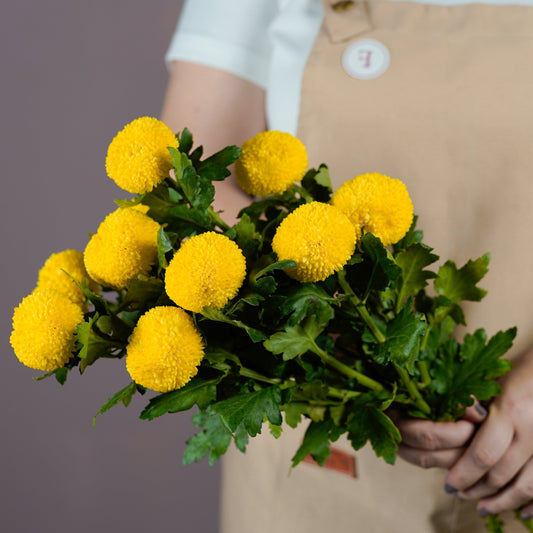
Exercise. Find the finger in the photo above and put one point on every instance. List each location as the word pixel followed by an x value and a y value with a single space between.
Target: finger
pixel 427 435
pixel 475 413
pixel 501 473
pixel 488 446
pixel 445 458
pixel 519 492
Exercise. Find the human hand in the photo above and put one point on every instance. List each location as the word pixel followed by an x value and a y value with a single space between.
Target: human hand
pixel 437 444
pixel 497 466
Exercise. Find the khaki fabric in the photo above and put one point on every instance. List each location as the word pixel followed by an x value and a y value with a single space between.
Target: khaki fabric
pixel 452 117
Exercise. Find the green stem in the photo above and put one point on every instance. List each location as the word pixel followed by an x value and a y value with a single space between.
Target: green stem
pixel 217 220
pixel 346 370
pixel 424 374
pixel 360 308
pixel 342 394
pixel 247 372
pixel 412 389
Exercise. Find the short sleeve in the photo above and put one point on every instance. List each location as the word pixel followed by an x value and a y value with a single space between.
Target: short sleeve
pixel 230 35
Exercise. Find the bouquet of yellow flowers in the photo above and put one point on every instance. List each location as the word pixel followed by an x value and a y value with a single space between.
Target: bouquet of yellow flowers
pixel 314 305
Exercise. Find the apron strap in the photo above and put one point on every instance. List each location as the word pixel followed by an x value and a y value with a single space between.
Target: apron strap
pixel 346 19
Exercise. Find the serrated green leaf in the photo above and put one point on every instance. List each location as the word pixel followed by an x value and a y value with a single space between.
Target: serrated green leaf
pixel 306 300
pixel 470 369
pixel 218 316
pixel 317 439
pixel 61 375
pixel 124 395
pixel 250 409
pixel 241 438
pixel 293 413
pixel 275 430
pixel 295 340
pixel 460 284
pixel 413 236
pixel 213 440
pixel 403 337
pixel 198 392
pixel 214 168
pixel 414 278
pixel 366 423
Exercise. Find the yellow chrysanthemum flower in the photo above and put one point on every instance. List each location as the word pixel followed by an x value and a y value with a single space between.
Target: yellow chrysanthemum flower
pixel 318 237
pixel 44 325
pixel 270 163
pixel 52 275
pixel 377 204
pixel 165 349
pixel 208 270
pixel 124 247
pixel 137 158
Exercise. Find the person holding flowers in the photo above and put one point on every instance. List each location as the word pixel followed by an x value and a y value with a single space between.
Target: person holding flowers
pixel 435 93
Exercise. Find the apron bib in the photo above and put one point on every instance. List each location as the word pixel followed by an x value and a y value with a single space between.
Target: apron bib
pixel 442 100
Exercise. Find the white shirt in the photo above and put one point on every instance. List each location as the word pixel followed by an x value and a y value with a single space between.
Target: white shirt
pixel 266 42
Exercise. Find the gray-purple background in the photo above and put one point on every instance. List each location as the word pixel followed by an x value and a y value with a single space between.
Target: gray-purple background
pixel 73 73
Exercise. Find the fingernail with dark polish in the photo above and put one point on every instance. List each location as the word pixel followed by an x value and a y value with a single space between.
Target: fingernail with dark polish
pixel 481 410
pixel 526 516
pixel 450 489
pixel 483 512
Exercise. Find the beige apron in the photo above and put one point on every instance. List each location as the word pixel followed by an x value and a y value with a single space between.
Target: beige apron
pixel 451 116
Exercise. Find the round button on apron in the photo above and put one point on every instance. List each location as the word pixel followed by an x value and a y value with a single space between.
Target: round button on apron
pixel 366 59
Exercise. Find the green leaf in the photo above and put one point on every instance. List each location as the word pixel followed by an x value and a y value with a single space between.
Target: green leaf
pixel 213 440
pixel 403 337
pixel 241 438
pixel 293 413
pixel 460 284
pixel 214 168
pixel 462 371
pixel 366 423
pixel 143 293
pixel 185 141
pixel 295 340
pixel 318 183
pixel 91 345
pixel 250 409
pixel 414 278
pixel 163 246
pixel 130 203
pixel 124 395
pixel 317 441
pixel 306 300
pixel 377 270
pixel 198 392
pixel 246 236
pixel 61 375
pixel 196 217
pixel 213 314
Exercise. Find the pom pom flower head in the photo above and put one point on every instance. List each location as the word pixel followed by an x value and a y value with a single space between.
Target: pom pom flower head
pixel 124 247
pixel 56 271
pixel 138 158
pixel 377 204
pixel 318 237
pixel 44 325
pixel 270 163
pixel 208 270
pixel 165 349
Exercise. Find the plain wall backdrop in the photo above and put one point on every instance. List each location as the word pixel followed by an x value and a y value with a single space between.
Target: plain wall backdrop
pixel 73 74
